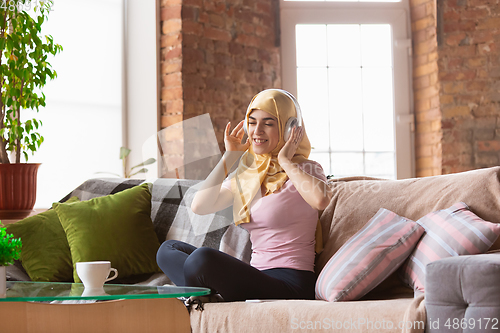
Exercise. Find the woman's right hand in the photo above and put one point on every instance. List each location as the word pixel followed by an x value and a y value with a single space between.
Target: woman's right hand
pixel 232 140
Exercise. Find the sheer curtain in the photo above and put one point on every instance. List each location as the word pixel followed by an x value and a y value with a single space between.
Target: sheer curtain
pixel 82 122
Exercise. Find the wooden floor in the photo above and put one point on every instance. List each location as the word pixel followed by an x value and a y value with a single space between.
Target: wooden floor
pixel 119 316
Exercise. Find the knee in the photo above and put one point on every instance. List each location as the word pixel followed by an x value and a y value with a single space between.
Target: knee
pixel 165 247
pixel 200 260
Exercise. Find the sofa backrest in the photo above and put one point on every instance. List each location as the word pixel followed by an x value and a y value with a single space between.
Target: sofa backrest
pixel 172 216
pixel 356 200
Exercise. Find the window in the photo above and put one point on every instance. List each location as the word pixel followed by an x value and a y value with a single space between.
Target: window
pixel 82 120
pixel 350 71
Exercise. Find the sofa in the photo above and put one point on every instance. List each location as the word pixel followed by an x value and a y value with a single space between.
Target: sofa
pixel 390 306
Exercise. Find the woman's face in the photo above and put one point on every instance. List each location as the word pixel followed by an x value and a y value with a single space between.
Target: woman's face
pixel 263 130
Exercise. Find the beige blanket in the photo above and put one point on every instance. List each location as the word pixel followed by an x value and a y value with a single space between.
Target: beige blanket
pixel 402 315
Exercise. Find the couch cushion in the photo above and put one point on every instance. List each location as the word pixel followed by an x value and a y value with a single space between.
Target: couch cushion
pixel 356 200
pixel 469 301
pixel 307 316
pixel 45 254
pixel 368 258
pixel 449 232
pixel 116 227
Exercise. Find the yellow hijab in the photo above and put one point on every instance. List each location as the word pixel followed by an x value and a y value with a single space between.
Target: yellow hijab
pixel 255 170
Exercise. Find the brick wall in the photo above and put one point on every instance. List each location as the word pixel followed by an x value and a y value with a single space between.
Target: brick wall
pixel 215 55
pixel 460 130
pixel 469 71
pixel 428 132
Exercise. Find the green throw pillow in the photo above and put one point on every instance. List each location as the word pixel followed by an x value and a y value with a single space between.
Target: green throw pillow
pixel 45 254
pixel 117 228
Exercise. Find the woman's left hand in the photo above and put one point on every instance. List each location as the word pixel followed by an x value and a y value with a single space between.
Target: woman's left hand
pixel 290 147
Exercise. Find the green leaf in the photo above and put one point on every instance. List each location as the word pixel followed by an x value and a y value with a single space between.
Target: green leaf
pixel 147 162
pixel 124 152
pixel 143 170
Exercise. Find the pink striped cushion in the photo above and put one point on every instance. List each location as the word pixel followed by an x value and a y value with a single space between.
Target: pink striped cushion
pixel 368 257
pixel 449 232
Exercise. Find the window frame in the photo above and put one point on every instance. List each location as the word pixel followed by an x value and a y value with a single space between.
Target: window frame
pixel 394 13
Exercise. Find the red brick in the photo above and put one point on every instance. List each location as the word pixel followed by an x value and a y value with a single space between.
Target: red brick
pixel 262 31
pixel 171 93
pixel 204 17
pixel 477 85
pixel 189 27
pixel 174 106
pixel 468 25
pixel 170 12
pixel 173 53
pixel 464 51
pixel 455 39
pixel 474 13
pixel 486 110
pixel 217 20
pixel 247 28
pixel 172 80
pixel 195 3
pixel 487 48
pixel 192 55
pixel 418 12
pixel 465 75
pixel 171 26
pixel 264 8
pixel 451 16
pixel 489 23
pixel 190 13
pixel 170 40
pixel 455 63
pixel 171 67
pixel 217 34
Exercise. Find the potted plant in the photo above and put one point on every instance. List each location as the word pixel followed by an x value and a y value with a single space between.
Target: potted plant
pixel 10 250
pixel 24 70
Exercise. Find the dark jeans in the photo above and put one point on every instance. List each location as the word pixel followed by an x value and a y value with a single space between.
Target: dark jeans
pixel 233 279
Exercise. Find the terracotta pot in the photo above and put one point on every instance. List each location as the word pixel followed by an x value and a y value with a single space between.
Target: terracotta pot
pixel 17 189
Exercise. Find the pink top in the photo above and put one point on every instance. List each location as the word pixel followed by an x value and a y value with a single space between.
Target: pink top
pixel 282 226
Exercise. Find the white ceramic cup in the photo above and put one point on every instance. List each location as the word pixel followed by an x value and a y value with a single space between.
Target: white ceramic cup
pixel 94 273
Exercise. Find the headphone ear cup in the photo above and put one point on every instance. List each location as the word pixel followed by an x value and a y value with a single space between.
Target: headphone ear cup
pixel 290 124
pixel 245 126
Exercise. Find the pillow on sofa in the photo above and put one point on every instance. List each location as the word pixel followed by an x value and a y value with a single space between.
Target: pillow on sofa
pixel 355 200
pixel 368 257
pixel 449 232
pixel 45 254
pixel 116 227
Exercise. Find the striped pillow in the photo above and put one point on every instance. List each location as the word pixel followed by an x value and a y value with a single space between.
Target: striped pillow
pixel 449 233
pixel 368 257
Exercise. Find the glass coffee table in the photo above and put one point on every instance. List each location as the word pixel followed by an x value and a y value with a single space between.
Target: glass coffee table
pixel 124 308
pixel 59 291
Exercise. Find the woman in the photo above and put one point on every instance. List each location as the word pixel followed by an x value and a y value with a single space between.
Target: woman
pixel 276 195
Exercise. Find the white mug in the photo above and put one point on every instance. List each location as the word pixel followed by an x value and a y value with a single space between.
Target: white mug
pixel 94 273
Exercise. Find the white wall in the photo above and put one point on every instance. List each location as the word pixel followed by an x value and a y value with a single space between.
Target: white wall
pixel 141 72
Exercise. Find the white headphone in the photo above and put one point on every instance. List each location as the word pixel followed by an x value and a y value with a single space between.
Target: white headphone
pixel 291 122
